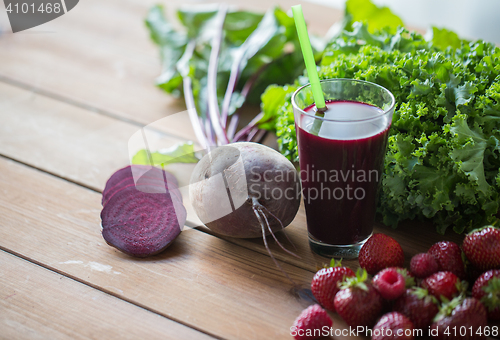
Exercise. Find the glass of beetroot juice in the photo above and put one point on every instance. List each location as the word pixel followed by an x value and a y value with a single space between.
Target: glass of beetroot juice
pixel 341 155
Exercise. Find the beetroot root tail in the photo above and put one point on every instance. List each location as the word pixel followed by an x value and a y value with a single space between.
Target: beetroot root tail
pixel 282 228
pixel 274 236
pixel 258 215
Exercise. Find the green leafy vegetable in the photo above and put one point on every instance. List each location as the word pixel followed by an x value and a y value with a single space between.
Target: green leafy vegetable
pixel 173 45
pixel 376 17
pixel 443 38
pixel 245 51
pixel 179 153
pixel 443 156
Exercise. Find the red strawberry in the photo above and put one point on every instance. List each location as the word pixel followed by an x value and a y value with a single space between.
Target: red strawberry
pixel 358 302
pixel 442 284
pixel 449 258
pixel 310 322
pixel 418 306
pixel 482 248
pixel 389 283
pixel 467 315
pixel 325 284
pixel 423 265
pixel 379 252
pixel 487 290
pixel 393 325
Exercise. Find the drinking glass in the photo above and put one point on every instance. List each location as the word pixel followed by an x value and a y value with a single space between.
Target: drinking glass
pixel 341 156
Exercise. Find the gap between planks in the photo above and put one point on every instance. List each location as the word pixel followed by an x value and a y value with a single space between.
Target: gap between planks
pixel 43 280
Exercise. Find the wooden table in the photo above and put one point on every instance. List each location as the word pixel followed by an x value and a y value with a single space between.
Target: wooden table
pixel 72 92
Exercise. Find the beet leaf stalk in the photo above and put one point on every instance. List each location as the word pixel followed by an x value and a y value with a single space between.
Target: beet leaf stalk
pixel 213 105
pixel 222 59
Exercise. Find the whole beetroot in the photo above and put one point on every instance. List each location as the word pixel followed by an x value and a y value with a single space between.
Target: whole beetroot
pixel 263 186
pixel 246 190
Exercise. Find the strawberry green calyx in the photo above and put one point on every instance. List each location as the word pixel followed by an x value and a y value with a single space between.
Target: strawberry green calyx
pixel 423 294
pixel 448 307
pixel 482 228
pixel 409 280
pixel 492 298
pixel 462 287
pixel 334 263
pixel 357 281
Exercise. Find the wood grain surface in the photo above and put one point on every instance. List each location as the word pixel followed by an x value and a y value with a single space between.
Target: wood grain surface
pixel 72 93
pixel 36 303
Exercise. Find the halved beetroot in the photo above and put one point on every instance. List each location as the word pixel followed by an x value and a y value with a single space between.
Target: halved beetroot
pixel 143 211
pixel 137 172
pixel 142 224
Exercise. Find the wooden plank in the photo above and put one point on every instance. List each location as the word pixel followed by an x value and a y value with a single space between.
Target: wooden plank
pixel 36 303
pixel 69 141
pixel 99 55
pixel 201 281
pixel 87 148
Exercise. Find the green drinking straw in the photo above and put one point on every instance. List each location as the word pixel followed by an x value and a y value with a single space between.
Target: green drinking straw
pixel 307 52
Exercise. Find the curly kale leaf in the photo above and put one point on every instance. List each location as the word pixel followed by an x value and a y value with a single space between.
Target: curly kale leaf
pixel 443 155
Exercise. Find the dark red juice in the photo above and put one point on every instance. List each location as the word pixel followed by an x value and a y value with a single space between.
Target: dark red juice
pixel 340 169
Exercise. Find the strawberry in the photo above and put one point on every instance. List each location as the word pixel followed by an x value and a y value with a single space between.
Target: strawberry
pixel 390 283
pixel 461 314
pixel 487 290
pixel 423 265
pixel 393 325
pixel 310 322
pixel 325 283
pixel 449 258
pixel 442 284
pixel 482 248
pixel 357 301
pixel 379 252
pixel 418 306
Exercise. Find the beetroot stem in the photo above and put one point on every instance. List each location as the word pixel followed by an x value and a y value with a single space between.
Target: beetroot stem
pixel 213 105
pixel 259 136
pixel 233 80
pixel 243 132
pixel 233 125
pixel 189 99
pixel 252 133
pixel 193 115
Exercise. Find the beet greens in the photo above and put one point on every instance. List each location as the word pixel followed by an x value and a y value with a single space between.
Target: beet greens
pixel 223 59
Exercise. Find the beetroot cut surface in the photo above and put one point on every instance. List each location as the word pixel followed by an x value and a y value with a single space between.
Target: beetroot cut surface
pixel 144 185
pixel 128 174
pixel 141 224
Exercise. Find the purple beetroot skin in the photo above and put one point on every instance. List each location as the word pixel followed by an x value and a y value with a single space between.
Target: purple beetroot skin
pixel 130 173
pixel 141 219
